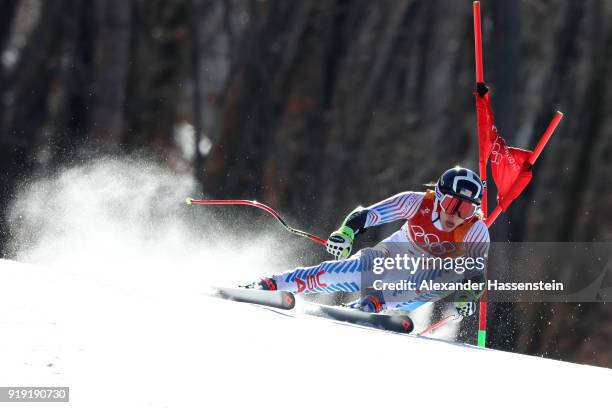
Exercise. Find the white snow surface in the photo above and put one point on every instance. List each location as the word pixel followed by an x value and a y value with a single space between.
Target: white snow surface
pixel 109 297
pixel 121 342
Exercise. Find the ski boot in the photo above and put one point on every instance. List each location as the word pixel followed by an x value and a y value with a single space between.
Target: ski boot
pixel 263 284
pixel 371 302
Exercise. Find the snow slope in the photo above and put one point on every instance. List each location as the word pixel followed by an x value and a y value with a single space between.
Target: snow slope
pixel 119 313
pixel 154 342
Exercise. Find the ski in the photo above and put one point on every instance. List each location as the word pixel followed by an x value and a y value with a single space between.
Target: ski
pixel 395 323
pixel 277 299
pixel 286 300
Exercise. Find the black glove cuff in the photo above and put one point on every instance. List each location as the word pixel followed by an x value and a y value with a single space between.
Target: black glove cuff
pixel 357 220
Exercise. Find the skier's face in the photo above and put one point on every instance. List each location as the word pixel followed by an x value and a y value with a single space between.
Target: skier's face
pixel 450 222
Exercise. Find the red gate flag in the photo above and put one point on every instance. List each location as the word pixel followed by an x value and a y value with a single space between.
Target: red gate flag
pixel 486 127
pixel 508 164
pixel 511 167
pixel 511 171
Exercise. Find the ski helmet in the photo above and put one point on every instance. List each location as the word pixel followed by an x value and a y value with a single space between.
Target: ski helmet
pixel 462 183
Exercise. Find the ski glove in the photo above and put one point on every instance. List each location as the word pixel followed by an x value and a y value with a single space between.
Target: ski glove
pixel 465 307
pixel 340 243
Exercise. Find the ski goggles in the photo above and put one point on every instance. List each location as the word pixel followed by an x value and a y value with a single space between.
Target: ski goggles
pixel 455 205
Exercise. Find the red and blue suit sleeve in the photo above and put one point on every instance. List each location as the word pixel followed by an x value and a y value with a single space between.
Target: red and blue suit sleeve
pixel 402 206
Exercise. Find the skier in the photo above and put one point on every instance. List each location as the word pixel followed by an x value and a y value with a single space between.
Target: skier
pixel 444 222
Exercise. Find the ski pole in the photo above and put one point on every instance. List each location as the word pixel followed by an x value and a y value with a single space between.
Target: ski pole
pixel 456 317
pixel 271 211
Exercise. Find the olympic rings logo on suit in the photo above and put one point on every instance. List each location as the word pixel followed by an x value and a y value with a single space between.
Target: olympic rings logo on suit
pixel 431 241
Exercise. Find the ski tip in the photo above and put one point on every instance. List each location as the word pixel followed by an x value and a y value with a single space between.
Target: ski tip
pixel 272 298
pixel 189 200
pixel 407 325
pixel 399 324
pixel 404 324
pixel 288 301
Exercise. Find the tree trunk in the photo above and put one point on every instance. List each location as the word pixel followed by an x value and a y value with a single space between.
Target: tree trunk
pixel 111 71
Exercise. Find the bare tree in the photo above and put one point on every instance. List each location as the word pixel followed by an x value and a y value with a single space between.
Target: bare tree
pixel 110 73
pixel 196 61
